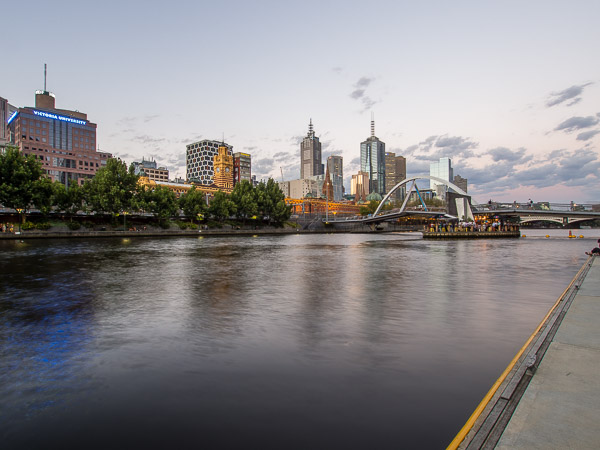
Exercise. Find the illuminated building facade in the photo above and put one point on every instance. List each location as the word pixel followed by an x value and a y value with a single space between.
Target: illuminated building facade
pixel 223 164
pixel 64 141
pixel 199 160
pixel 360 186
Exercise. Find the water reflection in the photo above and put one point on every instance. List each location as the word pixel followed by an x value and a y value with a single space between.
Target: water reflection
pixel 332 341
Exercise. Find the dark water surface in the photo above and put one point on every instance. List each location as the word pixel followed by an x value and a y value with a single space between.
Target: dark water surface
pixel 327 341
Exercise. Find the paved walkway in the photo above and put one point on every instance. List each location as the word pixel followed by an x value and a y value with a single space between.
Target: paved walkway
pixel 560 408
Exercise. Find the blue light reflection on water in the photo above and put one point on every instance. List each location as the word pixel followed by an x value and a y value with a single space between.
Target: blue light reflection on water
pixel 326 341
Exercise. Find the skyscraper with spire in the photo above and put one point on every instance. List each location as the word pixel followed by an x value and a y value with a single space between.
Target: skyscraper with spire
pixel 372 161
pixel 310 155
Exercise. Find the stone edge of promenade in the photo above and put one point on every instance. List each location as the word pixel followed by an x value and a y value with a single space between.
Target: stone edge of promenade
pixel 490 428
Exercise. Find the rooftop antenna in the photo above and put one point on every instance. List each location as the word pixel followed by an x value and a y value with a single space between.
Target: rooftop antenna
pixel 45 66
pixel 310 128
pixel 372 124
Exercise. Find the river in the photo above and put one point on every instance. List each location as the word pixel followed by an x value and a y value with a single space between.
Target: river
pixel 295 341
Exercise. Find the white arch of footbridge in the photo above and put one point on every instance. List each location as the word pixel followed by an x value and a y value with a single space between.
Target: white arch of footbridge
pixel 413 186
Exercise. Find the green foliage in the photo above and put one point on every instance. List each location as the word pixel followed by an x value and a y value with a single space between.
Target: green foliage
pixel 43 197
pixel 369 208
pixel 244 197
pixel 27 226
pixel 193 203
pixel 73 225
pixel 187 225
pixel 271 202
pixel 221 206
pixel 69 200
pixel 43 226
pixel 160 201
pixel 18 175
pixel 112 188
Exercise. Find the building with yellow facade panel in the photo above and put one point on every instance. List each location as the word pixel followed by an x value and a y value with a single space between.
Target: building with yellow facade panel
pixel 308 205
pixel 223 164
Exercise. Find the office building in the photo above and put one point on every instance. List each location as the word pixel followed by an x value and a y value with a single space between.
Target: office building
pixel 310 155
pixel 460 182
pixel 199 160
pixel 242 167
pixel 360 186
pixel 64 141
pixel 395 172
pixel 372 161
pixel 149 169
pixel 6 112
pixel 441 169
pixel 335 165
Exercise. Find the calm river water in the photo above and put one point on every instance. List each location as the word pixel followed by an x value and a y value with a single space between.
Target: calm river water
pixel 296 341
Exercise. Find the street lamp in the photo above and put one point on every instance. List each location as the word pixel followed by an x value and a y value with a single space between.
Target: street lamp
pixel 20 211
pixel 125 220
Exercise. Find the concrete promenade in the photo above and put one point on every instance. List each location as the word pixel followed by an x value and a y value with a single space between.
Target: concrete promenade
pixel 561 406
pixel 549 396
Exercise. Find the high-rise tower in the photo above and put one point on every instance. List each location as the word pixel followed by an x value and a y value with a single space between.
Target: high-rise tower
pixel 310 155
pixel 372 161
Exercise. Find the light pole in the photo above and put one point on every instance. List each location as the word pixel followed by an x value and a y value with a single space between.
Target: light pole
pixel 20 211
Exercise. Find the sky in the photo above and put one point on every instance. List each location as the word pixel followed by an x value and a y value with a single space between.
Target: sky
pixel 509 90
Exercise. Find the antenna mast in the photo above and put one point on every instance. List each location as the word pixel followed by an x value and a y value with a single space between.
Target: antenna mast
pixel 45 65
pixel 372 124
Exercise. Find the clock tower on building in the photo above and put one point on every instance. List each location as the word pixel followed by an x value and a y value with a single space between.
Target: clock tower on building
pixel 223 164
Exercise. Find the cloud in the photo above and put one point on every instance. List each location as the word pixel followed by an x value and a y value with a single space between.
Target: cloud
pixel 145 139
pixel 337 69
pixel 573 92
pixel 147 119
pixel 505 154
pixel 359 92
pixel 435 147
pixel 587 135
pixel 262 167
pixel 577 123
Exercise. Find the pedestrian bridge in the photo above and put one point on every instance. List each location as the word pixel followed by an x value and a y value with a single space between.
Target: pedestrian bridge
pixel 526 212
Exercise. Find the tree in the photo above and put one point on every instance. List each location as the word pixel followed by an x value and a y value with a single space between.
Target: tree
pixel 244 197
pixel 69 200
pixel 193 203
pixel 162 202
pixel 43 195
pixel 271 202
pixel 18 177
pixel 221 206
pixel 112 188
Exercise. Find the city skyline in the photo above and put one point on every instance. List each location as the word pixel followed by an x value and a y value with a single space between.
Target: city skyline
pixel 509 92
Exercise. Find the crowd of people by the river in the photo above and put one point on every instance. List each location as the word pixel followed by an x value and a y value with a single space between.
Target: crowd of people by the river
pixel 471 227
pixel 8 228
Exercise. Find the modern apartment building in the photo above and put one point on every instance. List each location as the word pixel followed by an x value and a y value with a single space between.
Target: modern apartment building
pixel 372 161
pixel 64 141
pixel 199 160
pixel 310 155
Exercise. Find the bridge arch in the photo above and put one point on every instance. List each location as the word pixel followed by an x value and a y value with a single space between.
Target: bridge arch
pixel 414 179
